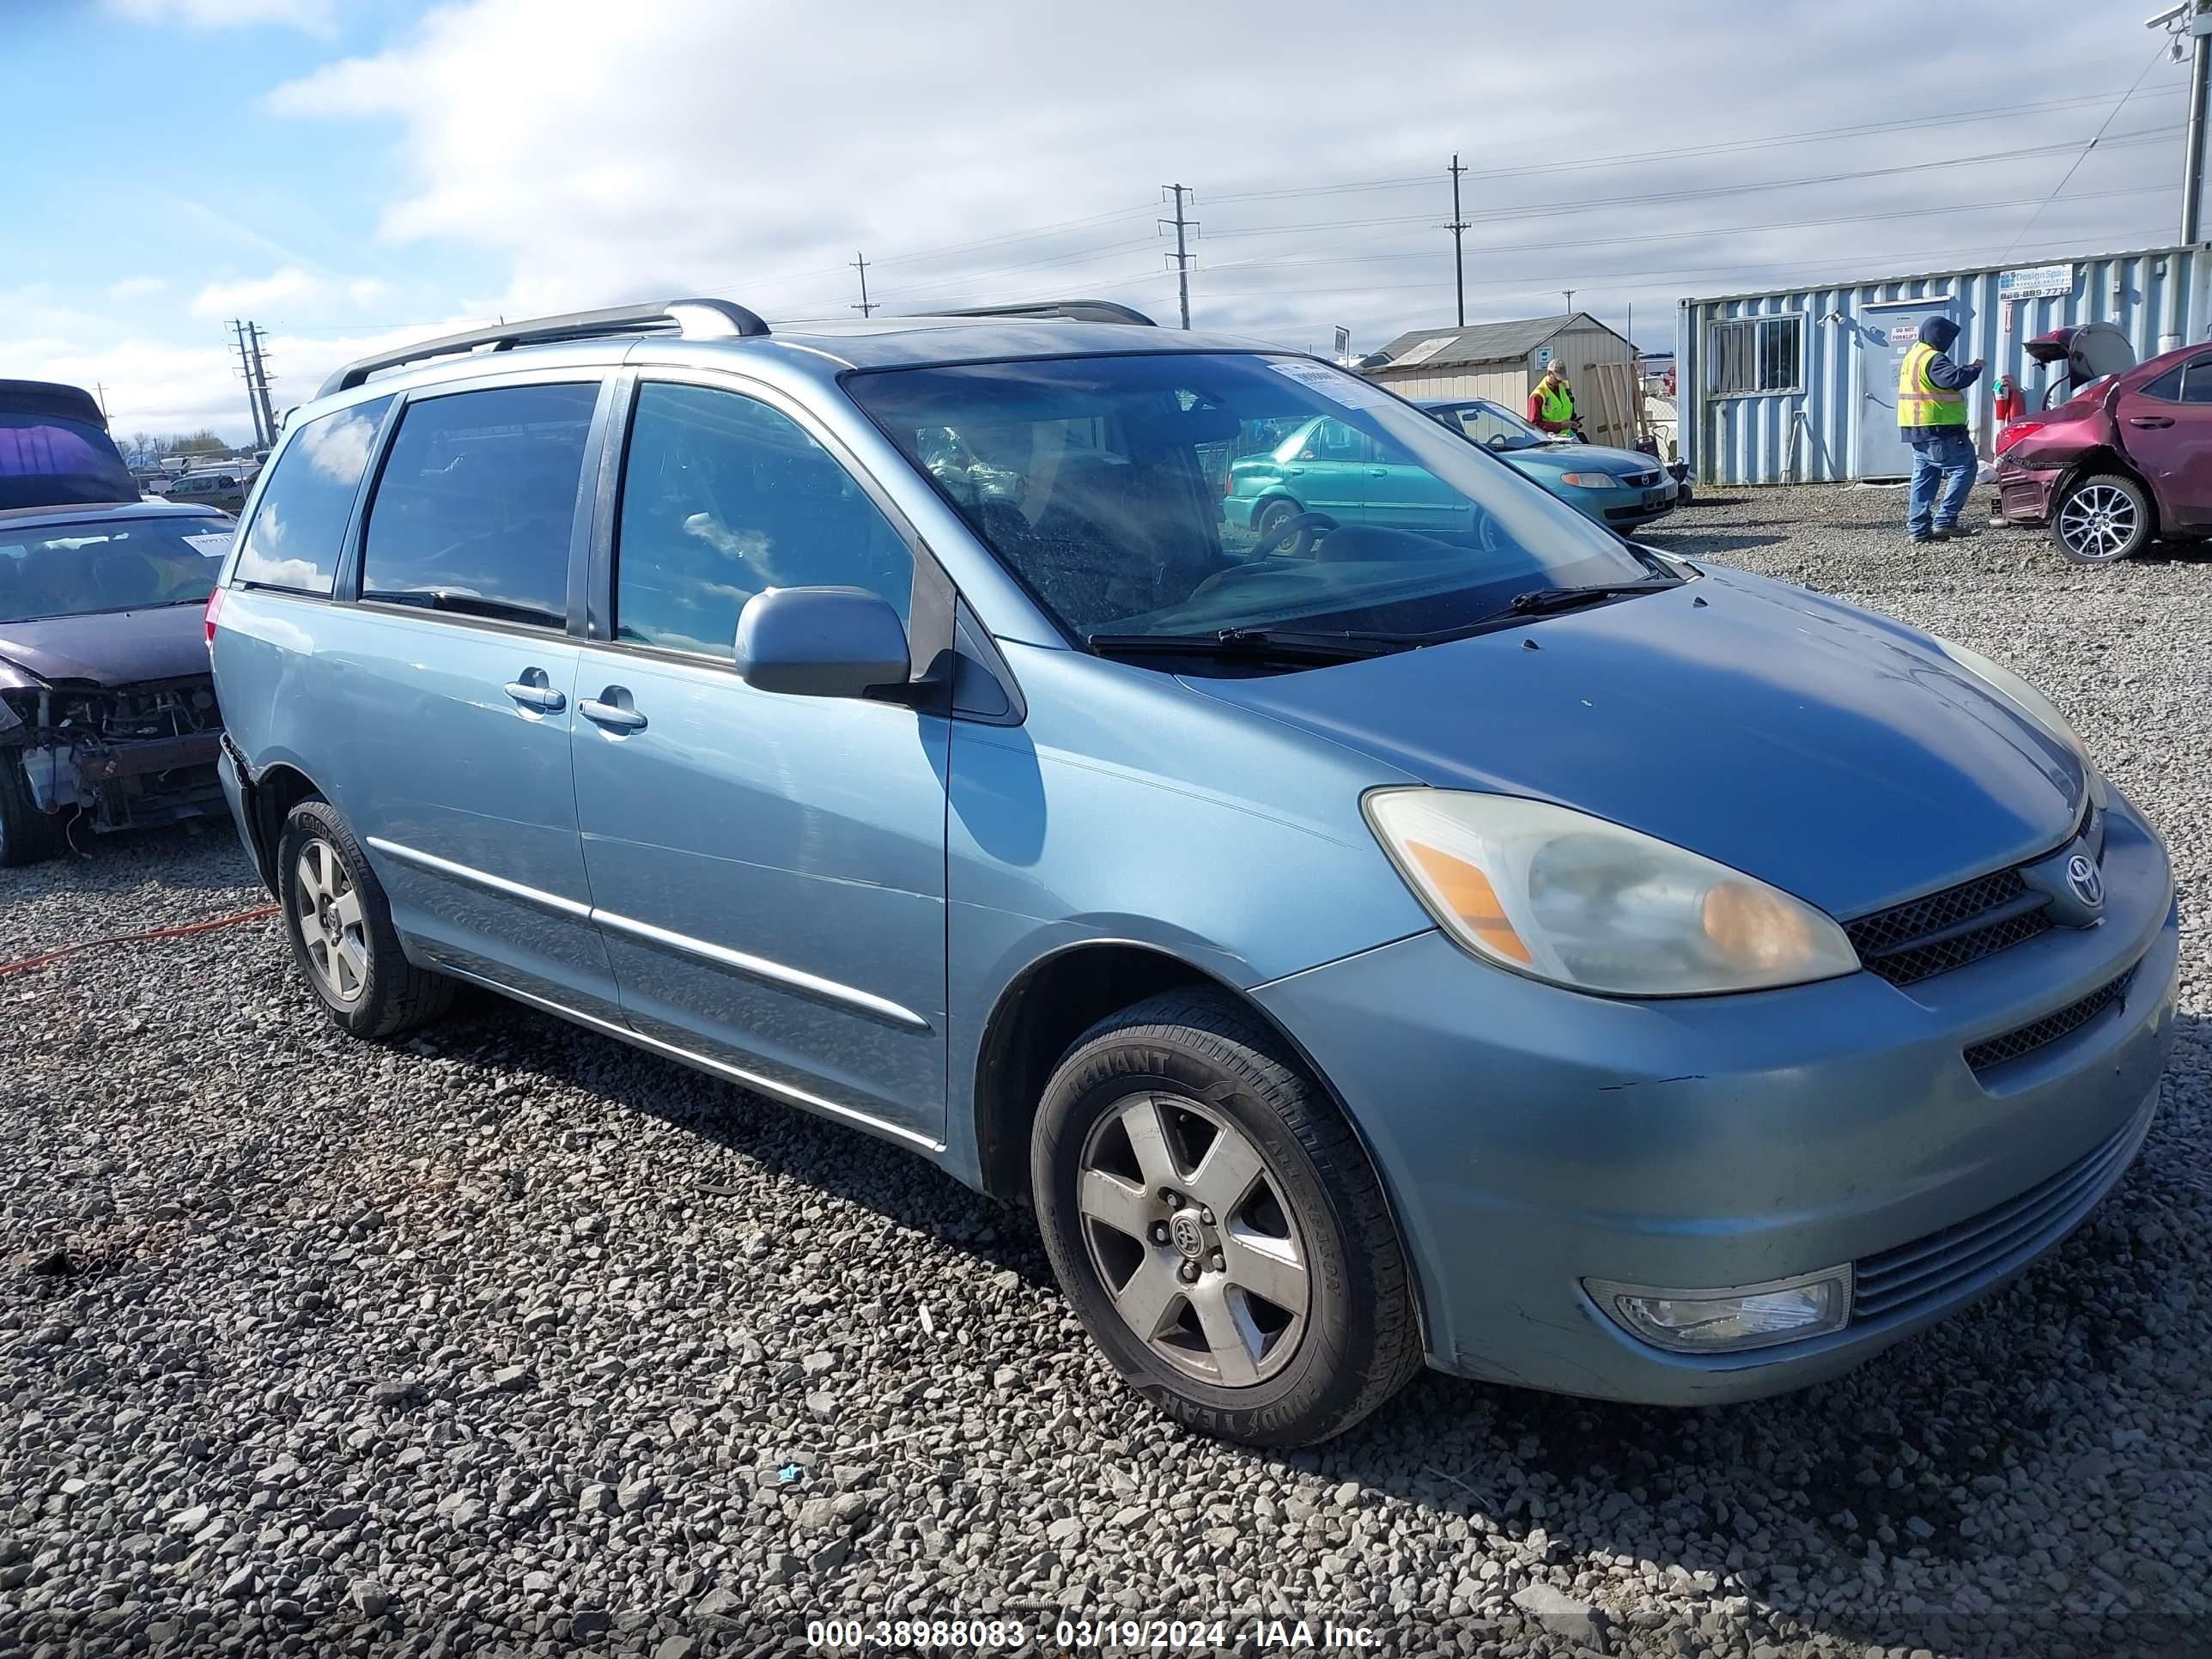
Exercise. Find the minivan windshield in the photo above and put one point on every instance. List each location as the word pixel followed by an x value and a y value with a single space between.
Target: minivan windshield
pixel 1189 495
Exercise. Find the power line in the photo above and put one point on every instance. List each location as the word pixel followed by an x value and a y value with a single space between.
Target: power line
pixel 1679 152
pixel 1547 209
pixel 2109 118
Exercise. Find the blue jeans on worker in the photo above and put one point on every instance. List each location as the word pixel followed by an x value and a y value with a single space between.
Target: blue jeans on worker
pixel 1948 457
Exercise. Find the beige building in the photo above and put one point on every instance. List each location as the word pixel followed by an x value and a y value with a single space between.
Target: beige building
pixel 1503 361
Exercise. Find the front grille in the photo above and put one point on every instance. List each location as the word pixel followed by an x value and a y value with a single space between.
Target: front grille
pixel 1961 1258
pixel 1640 480
pixel 2040 1033
pixel 1910 942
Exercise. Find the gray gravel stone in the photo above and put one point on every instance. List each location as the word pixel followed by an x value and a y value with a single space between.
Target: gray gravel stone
pixel 265 1222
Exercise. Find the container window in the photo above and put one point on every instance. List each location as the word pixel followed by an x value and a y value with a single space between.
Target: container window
pixel 1753 356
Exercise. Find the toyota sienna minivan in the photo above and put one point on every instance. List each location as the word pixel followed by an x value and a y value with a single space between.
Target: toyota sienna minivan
pixel 1487 944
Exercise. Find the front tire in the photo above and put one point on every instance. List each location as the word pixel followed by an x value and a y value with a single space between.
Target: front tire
pixel 339 925
pixel 27 834
pixel 1272 518
pixel 2106 518
pixel 1217 1227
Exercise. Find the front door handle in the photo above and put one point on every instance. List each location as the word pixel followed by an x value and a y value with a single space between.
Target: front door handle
pixel 535 690
pixel 1378 472
pixel 612 709
pixel 2150 420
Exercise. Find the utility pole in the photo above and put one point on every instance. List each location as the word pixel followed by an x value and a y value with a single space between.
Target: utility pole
pixel 1569 293
pixel 253 396
pixel 2191 20
pixel 100 392
pixel 1458 226
pixel 1183 229
pixel 254 338
pixel 866 307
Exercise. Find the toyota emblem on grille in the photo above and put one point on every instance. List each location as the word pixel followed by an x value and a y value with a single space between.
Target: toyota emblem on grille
pixel 2087 880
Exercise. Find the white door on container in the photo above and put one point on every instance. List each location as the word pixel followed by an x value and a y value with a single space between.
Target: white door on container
pixel 1885 333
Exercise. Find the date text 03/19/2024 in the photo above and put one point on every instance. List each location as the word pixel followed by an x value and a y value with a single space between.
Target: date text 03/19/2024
pixel 1072 1636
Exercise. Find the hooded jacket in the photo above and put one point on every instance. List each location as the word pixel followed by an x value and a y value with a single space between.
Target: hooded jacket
pixel 1942 332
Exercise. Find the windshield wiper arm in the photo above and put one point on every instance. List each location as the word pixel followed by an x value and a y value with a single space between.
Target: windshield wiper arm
pixel 1541 601
pixel 1256 642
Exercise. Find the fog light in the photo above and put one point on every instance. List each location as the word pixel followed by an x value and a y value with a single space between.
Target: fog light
pixel 1732 1319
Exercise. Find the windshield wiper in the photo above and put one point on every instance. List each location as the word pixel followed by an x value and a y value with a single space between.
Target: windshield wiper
pixel 1542 601
pixel 1255 642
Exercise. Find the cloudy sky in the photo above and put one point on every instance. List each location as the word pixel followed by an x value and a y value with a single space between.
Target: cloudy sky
pixel 354 172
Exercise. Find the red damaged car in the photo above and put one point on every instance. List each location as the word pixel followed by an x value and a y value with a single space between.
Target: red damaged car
pixel 2126 457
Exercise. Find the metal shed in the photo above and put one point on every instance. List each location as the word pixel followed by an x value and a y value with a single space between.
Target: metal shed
pixel 1800 385
pixel 1502 361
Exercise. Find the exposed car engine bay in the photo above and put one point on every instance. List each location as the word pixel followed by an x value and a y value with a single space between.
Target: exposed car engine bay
pixel 115 758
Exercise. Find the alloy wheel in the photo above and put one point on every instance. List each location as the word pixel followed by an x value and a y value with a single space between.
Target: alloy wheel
pixel 327 911
pixel 2098 522
pixel 1190 1233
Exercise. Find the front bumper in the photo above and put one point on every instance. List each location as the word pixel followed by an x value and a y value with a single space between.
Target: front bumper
pixel 2024 493
pixel 1624 509
pixel 1533 1137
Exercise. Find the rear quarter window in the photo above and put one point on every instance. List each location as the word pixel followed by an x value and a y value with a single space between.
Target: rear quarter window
pixel 294 540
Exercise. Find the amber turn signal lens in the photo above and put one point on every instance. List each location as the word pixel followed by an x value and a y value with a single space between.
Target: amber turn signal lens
pixel 1751 926
pixel 1471 899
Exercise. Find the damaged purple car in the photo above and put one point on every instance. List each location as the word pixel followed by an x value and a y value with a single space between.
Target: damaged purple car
pixel 108 710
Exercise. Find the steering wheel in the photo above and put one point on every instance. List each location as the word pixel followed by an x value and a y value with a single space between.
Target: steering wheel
pixel 1296 525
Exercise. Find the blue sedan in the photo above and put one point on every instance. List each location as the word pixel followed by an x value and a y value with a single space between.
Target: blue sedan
pixel 1619 488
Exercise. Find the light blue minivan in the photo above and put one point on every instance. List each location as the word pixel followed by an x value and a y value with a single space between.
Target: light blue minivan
pixel 1488 943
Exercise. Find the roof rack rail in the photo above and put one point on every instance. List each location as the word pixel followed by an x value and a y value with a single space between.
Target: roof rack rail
pixel 694 319
pixel 1073 311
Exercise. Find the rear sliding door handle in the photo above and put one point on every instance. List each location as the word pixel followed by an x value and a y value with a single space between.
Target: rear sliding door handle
pixel 611 708
pixel 533 690
pixel 2150 420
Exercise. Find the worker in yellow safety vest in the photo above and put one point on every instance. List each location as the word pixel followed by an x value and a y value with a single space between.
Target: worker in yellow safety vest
pixel 1551 403
pixel 1931 416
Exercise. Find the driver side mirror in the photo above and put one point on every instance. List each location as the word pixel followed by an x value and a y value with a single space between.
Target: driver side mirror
pixel 820 642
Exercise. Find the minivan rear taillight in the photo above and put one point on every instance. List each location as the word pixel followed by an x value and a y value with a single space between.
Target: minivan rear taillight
pixel 2014 431
pixel 214 610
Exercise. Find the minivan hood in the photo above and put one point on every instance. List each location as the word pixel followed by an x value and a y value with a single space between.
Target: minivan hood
pixel 1835 753
pixel 114 647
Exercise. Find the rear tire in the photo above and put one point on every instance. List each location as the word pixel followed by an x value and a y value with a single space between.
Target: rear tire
pixel 2104 519
pixel 1218 1228
pixel 27 834
pixel 339 925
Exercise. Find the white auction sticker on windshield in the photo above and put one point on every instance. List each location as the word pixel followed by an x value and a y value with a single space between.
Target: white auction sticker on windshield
pixel 213 546
pixel 1334 383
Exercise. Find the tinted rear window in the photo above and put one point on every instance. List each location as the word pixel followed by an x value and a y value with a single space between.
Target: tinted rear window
pixel 46 460
pixel 474 510
pixel 293 540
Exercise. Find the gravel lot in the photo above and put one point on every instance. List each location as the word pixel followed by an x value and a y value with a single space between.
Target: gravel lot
pixel 515 1339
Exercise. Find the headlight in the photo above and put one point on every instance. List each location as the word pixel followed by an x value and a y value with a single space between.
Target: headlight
pixel 1590 480
pixel 1560 896
pixel 2031 703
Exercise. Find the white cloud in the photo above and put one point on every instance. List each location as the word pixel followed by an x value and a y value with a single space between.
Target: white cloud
pixel 289 288
pixel 136 287
pixel 316 17
pixel 751 150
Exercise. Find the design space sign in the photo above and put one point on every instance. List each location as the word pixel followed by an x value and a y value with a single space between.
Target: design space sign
pixel 2036 283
